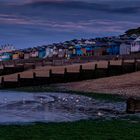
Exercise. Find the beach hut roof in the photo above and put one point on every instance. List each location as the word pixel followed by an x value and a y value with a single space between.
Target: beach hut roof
pixel 138 39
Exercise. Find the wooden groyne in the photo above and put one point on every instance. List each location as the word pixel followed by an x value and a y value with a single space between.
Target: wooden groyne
pixel 82 74
pixel 6 70
pixel 133 105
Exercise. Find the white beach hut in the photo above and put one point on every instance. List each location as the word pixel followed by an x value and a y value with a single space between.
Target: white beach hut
pixel 125 48
pixel 135 46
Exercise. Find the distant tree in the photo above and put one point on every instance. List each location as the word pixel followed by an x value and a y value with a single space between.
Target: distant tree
pixel 133 31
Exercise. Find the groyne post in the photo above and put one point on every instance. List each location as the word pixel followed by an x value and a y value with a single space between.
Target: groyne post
pixel 80 72
pixel 108 68
pixel 2 81
pixel 122 66
pixel 65 75
pixel 96 66
pixel 135 65
pixel 18 80
pixel 34 75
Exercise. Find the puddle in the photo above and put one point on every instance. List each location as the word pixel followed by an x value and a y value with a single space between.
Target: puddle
pixel 54 107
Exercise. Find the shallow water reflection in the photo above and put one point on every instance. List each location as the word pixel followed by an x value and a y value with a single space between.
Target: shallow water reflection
pixel 21 107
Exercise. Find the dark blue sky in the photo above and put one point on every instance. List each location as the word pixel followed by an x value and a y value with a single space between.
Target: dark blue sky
pixel 36 22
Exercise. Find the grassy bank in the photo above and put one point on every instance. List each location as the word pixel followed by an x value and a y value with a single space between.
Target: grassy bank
pixel 82 130
pixel 100 96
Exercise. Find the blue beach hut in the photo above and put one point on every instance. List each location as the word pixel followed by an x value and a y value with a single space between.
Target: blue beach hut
pixel 42 53
pixel 6 56
pixel 114 49
pixel 78 49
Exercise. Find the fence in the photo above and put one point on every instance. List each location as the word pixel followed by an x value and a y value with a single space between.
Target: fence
pixel 83 74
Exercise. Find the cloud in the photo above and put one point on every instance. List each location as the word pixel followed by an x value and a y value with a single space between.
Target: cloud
pixel 35 20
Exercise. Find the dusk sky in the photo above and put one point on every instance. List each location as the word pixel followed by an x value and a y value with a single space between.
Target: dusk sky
pixel 28 23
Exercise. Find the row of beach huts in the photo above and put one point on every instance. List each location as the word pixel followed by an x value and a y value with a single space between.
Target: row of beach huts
pixel 121 45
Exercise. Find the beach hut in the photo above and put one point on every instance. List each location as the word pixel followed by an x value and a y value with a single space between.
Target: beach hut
pixel 71 52
pixel 89 50
pixel 55 51
pixel 34 54
pixel 61 52
pixel 99 51
pixel 0 57
pixel 26 55
pixel 21 55
pixel 113 49
pixel 49 51
pixel 125 48
pixel 41 52
pixel 15 56
pixel 78 49
pixel 6 56
pixel 135 46
pixel 84 51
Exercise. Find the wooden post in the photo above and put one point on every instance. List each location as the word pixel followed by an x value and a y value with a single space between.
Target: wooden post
pixel 122 61
pixel 95 70
pixel 135 65
pixel 108 64
pixel 2 81
pixel 34 75
pixel 96 66
pixel 18 77
pixel 122 65
pixel 80 72
pixel 43 63
pixel 3 65
pixel 14 63
pixel 50 72
pixel 50 77
pixel 65 75
pixel 108 68
pixel 81 68
pixel 33 66
pixel 65 71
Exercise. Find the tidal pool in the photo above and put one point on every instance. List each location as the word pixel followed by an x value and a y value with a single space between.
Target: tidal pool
pixel 22 107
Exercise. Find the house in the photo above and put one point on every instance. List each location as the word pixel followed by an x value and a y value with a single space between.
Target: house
pixel 89 42
pixel 125 48
pixel 135 46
